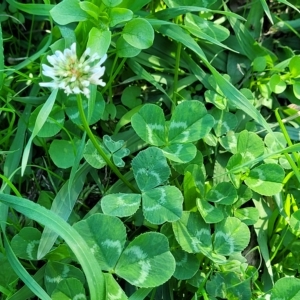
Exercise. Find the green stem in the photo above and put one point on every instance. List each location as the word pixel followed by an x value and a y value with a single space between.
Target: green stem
pixel 97 146
pixel 112 77
pixel 175 84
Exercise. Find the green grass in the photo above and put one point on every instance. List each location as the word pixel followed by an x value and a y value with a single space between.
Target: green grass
pixel 178 179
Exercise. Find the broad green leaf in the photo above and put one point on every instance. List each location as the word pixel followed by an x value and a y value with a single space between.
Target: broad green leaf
pixel 130 96
pixel 106 236
pixel 229 142
pixel 69 289
pixel 294 66
pixel 150 168
pixel 286 288
pixel 228 285
pixel 119 15
pixel 275 141
pixel 62 153
pixel 224 121
pixel 92 9
pixel 249 145
pixel 138 33
pixel 295 221
pixel 296 89
pixel 73 113
pixel 114 291
pixel 25 243
pixel 187 264
pixel 120 205
pixel 231 235
pixel 200 3
pixel 112 3
pixel 180 167
pixel 56 271
pixel 259 64
pixel 248 215
pixel 124 49
pixel 180 153
pixel 149 124
pixel 53 124
pixel 68 11
pixel 192 233
pixel 92 156
pixel 99 41
pixel 209 213
pixel 185 127
pixel 277 85
pixel 222 193
pixel 162 204
pixel 146 261
pixel 218 100
pixel 266 179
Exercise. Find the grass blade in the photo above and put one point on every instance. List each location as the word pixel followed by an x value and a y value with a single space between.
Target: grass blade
pixel 77 243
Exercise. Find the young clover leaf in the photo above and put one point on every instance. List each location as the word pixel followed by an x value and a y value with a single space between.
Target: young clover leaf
pixel 116 150
pixel 69 288
pixel 150 168
pixel 176 136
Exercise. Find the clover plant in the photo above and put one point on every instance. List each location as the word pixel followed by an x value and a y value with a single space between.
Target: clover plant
pixel 149 150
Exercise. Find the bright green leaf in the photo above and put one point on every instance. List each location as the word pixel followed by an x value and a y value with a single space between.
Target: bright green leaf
pixel 119 15
pixel 266 179
pixel 106 236
pixel 150 168
pixel 26 242
pixel 138 33
pixel 222 193
pixel 209 213
pixel 180 153
pixel 185 127
pixel 120 205
pixel 146 261
pixel 162 204
pixel 70 288
pixel 149 124
pixel 231 235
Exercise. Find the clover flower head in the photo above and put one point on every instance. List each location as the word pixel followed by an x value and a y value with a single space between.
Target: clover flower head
pixel 74 75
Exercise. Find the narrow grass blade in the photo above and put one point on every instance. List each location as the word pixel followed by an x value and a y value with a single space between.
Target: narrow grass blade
pixel 32 9
pixel 62 206
pixel 261 227
pixel 267 10
pixel 1 59
pixel 23 274
pixel 25 292
pixel 77 243
pixel 40 121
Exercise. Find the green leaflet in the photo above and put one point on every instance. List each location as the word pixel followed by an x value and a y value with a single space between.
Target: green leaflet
pixel 175 137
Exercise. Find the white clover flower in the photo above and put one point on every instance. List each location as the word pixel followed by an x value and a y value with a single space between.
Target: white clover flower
pixel 71 74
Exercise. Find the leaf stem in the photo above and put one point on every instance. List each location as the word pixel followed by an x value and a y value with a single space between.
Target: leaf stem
pixel 176 71
pixel 97 146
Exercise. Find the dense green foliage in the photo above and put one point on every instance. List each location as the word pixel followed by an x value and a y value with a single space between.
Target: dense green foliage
pixel 176 179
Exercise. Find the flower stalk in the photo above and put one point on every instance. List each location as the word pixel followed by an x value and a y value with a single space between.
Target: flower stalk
pixel 97 146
